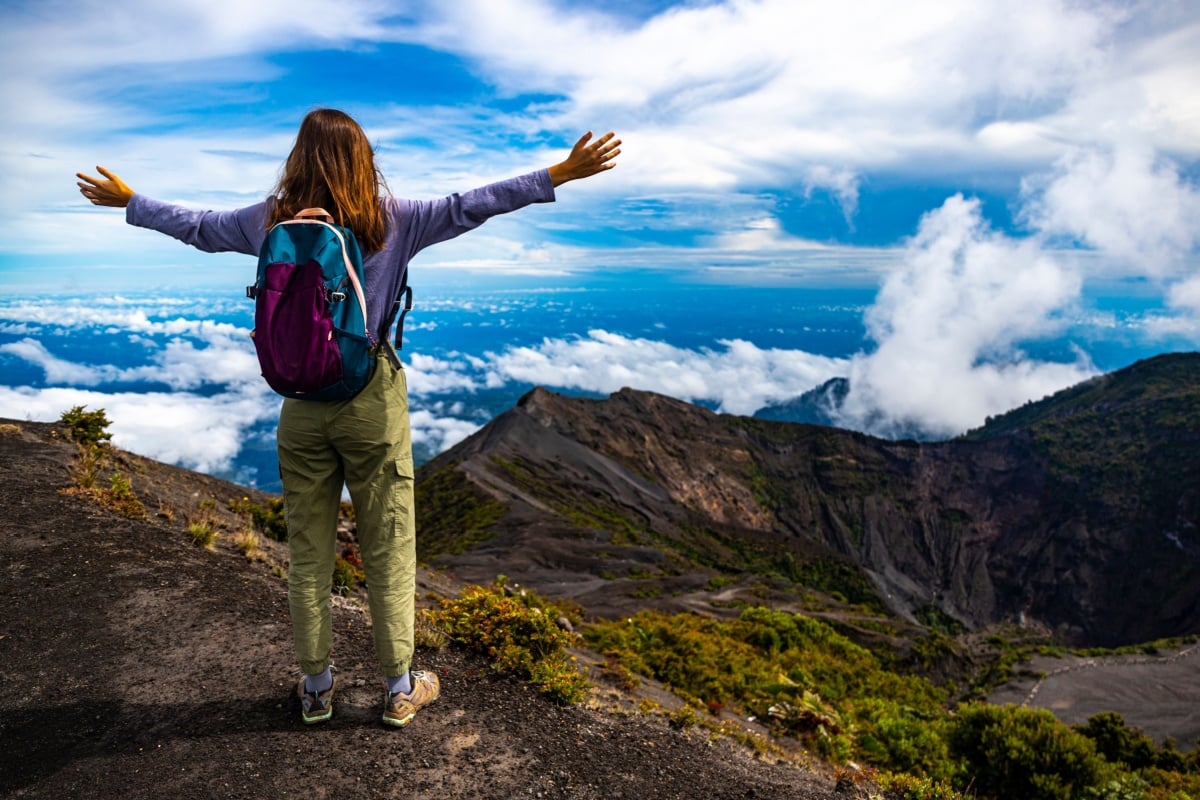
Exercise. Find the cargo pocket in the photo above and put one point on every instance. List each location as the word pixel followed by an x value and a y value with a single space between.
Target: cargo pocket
pixel 404 522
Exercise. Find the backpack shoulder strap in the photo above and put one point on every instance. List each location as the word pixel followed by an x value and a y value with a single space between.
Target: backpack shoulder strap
pixel 315 213
pixel 401 306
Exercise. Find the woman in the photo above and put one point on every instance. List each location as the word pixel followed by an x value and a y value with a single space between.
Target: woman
pixel 364 442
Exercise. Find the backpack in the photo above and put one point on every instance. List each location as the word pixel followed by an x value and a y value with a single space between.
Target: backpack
pixel 310 314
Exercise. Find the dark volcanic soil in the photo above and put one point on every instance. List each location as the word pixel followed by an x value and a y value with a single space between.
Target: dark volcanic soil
pixel 1158 693
pixel 137 665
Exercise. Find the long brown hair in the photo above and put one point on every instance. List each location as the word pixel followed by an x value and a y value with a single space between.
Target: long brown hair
pixel 332 166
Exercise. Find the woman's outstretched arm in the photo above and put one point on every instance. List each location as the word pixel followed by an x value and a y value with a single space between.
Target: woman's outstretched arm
pixel 587 158
pixel 113 192
pixel 239 231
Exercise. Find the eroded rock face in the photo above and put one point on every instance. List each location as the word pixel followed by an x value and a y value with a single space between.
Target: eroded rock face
pixel 1081 513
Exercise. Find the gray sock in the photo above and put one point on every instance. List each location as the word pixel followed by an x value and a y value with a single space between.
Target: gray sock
pixel 399 684
pixel 320 682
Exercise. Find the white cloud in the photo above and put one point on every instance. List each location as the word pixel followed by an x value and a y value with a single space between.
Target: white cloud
pixel 1123 201
pixel 950 323
pixel 740 379
pixel 226 355
pixel 202 433
pixel 1184 299
pixel 841 183
pixel 792 86
pixel 948 327
pixel 431 375
pixel 1186 295
pixel 439 432
pixel 155 316
pixel 83 36
pixel 716 97
pixel 761 235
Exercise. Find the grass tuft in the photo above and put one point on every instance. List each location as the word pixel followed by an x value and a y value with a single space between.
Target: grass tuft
pixel 203 533
pixel 248 544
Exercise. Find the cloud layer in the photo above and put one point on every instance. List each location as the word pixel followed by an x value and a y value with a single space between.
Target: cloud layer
pixel 998 162
pixel 739 379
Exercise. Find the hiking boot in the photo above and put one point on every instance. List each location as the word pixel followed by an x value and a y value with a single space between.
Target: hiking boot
pixel 315 706
pixel 399 709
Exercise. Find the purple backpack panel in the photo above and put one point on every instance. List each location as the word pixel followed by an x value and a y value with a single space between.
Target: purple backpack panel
pixel 310 319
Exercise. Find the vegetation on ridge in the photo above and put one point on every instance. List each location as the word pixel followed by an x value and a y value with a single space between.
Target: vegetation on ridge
pixel 453 514
pixel 1043 516
pixel 88 429
pixel 518 631
pixel 802 678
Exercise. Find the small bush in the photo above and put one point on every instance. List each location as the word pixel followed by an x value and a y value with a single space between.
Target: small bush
pixel 86 427
pixel 1117 742
pixel 516 632
pixel 619 675
pixel 911 787
pixel 427 634
pixel 268 520
pixel 346 576
pixel 683 717
pixel 120 487
pixel 119 498
pixel 557 677
pixel 88 465
pixel 1010 751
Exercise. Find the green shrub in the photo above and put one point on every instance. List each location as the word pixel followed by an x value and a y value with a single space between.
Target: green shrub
pixel 1009 751
pixel 911 787
pixel 518 633
pixel 88 465
pixel 453 514
pixel 120 487
pixel 268 520
pixel 792 671
pixel 86 427
pixel 119 498
pixel 346 576
pixel 1117 742
pixel 903 739
pixel 804 679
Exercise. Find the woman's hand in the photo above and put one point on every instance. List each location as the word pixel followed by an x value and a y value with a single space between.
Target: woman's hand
pixel 587 158
pixel 112 192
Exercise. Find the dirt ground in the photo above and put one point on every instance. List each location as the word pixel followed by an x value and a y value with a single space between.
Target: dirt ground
pixel 137 665
pixel 1158 693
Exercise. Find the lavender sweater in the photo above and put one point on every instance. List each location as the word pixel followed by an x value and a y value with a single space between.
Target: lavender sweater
pixel 412 226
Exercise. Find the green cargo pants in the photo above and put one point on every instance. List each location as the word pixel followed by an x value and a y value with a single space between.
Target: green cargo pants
pixel 364 442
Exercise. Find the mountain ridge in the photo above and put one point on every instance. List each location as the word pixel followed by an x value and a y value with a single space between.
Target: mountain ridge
pixel 1068 514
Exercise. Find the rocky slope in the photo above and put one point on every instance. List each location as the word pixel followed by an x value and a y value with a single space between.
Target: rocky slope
pixel 1079 513
pixel 137 665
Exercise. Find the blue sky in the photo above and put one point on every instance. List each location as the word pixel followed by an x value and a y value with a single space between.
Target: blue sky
pixel 986 172
pixel 757 133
